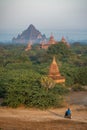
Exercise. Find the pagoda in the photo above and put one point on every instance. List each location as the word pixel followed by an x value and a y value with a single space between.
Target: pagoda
pixel 54 72
pixel 29 46
pixel 45 45
pixel 65 42
pixel 51 40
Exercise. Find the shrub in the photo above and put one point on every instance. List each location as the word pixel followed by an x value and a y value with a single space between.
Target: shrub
pixel 60 89
pixel 78 87
pixel 32 96
pixel 43 99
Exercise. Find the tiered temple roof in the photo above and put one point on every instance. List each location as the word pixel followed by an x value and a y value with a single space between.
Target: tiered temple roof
pixel 54 72
pixel 51 40
pixel 45 45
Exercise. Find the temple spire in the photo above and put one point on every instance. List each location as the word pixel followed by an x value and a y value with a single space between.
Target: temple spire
pixel 54 72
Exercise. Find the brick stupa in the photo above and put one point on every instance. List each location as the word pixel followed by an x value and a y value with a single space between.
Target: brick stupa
pixel 54 72
pixel 65 42
pixel 29 46
pixel 45 45
pixel 51 40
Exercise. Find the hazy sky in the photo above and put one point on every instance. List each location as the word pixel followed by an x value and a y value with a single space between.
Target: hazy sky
pixel 44 14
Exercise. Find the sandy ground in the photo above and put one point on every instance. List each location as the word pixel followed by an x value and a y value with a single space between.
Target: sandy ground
pixel 78 114
pixel 52 119
pixel 78 98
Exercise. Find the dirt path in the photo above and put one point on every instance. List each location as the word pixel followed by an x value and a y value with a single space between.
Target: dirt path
pixel 78 114
pixel 52 119
pixel 15 119
pixel 12 124
pixel 79 98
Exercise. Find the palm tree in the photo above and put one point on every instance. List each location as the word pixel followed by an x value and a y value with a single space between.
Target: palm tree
pixel 47 82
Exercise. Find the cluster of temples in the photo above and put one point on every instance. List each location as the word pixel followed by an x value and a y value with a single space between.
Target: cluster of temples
pixel 54 72
pixel 45 44
pixel 51 41
pixel 54 69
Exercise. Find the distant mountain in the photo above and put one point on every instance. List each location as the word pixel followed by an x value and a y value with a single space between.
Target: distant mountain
pixel 78 41
pixel 30 34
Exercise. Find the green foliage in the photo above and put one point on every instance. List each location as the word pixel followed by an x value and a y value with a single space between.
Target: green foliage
pixel 79 49
pixel 78 87
pixel 82 76
pixel 60 89
pixel 59 49
pixel 22 74
pixel 69 72
pixel 80 52
pixel 42 99
pixel 32 97
pixel 47 82
pixel 2 91
pixel 2 82
pixel 24 87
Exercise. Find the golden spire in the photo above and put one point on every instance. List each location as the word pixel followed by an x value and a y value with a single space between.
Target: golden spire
pixel 54 72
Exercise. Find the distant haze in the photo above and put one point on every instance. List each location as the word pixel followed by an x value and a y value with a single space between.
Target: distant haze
pixel 17 15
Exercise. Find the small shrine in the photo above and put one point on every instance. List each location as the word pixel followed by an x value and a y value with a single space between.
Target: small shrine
pixel 51 40
pixel 29 46
pixel 54 72
pixel 45 45
pixel 65 42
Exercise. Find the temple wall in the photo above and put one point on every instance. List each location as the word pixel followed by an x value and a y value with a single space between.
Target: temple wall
pixel 60 80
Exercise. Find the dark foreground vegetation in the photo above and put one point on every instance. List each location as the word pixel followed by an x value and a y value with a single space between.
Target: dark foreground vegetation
pixel 22 74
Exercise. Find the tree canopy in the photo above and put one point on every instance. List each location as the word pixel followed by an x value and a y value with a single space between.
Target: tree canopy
pixel 23 75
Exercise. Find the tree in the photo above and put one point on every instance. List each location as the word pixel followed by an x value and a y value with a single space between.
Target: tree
pixel 59 49
pixel 82 76
pixel 47 82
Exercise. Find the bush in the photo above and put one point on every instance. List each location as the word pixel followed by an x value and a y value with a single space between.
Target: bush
pixel 43 100
pixel 2 91
pixel 82 76
pixel 77 87
pixel 32 96
pixel 59 49
pixel 60 90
